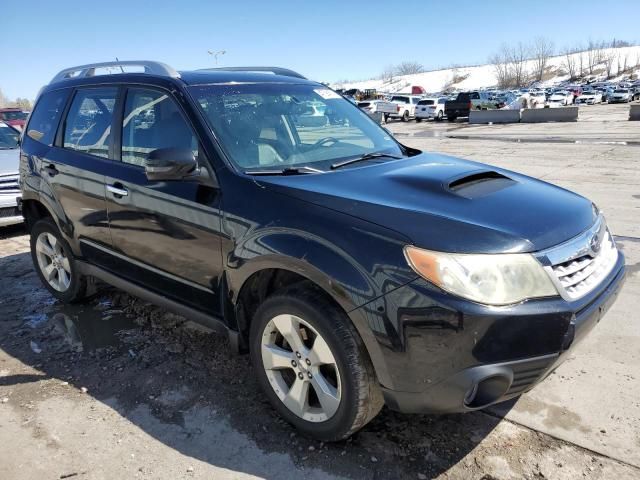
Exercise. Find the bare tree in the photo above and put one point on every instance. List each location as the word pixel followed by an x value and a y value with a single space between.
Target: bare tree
pixel 23 103
pixel 4 101
pixel 387 73
pixel 409 68
pixel 500 64
pixel 608 58
pixel 518 55
pixel 542 49
pixel 569 61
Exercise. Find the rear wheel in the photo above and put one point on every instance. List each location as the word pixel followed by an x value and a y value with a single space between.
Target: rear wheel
pixel 405 116
pixel 312 364
pixel 386 117
pixel 439 116
pixel 55 264
pixel 418 120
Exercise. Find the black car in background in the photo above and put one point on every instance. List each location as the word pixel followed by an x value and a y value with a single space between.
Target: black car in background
pixel 354 270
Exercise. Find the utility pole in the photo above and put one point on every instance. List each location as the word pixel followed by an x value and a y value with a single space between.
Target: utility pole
pixel 216 53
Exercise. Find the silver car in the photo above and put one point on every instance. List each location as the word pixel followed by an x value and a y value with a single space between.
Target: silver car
pixel 9 188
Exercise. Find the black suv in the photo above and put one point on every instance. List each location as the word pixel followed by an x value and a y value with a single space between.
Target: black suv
pixel 356 271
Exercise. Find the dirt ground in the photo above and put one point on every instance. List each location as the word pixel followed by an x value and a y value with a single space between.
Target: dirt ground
pixel 117 388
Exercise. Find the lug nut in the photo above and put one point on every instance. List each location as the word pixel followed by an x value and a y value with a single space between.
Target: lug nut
pixel 309 375
pixel 307 361
pixel 300 376
pixel 298 355
pixel 294 363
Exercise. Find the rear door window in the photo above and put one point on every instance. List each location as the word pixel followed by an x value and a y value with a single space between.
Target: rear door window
pixel 88 125
pixel 46 115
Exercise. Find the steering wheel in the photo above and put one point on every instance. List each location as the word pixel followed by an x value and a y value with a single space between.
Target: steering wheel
pixel 324 140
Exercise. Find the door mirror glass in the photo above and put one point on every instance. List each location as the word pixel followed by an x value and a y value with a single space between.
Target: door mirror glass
pixel 170 164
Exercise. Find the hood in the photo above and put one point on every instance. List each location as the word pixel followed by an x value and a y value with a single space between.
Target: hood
pixel 448 204
pixel 9 161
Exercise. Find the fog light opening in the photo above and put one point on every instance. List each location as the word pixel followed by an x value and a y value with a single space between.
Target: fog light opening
pixel 487 391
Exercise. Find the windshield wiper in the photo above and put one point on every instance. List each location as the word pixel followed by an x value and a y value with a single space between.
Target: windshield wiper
pixel 366 156
pixel 285 171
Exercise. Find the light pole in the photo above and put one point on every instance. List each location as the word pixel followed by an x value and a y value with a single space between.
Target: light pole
pixel 216 53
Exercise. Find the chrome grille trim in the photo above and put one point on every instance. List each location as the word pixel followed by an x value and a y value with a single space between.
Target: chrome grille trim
pixel 578 266
pixel 9 184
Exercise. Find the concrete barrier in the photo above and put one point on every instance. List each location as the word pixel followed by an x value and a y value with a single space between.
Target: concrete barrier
pixel 634 112
pixel 539 115
pixel 494 116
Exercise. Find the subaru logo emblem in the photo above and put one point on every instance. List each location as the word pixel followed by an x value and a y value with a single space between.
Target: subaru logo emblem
pixel 594 243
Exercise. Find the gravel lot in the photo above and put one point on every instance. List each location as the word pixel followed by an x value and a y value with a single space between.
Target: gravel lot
pixel 118 388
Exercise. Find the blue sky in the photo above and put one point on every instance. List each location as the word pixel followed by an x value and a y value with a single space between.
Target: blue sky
pixel 325 40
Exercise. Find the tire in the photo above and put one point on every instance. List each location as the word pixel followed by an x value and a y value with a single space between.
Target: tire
pixel 352 378
pixel 451 118
pixel 386 117
pixel 49 249
pixel 439 116
pixel 405 116
pixel 418 120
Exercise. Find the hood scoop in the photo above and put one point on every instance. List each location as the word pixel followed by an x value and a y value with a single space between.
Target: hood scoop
pixel 479 183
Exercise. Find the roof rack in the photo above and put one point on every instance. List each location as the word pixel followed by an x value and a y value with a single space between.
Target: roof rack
pixel 83 71
pixel 275 70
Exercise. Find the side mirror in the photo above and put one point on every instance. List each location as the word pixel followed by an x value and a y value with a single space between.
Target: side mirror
pixel 170 164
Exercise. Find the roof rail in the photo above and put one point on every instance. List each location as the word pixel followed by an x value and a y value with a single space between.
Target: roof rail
pixel 83 71
pixel 275 70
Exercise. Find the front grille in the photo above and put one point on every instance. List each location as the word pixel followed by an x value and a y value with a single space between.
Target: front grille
pixel 9 212
pixel 527 372
pixel 580 265
pixel 581 275
pixel 9 184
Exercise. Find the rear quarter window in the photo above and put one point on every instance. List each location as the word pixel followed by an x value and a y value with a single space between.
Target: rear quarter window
pixel 46 116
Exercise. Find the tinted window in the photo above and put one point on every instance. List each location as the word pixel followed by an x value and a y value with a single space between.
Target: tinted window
pixel 400 99
pixel 425 102
pixel 13 115
pixel 152 120
pixel 44 119
pixel 88 125
pixel 8 137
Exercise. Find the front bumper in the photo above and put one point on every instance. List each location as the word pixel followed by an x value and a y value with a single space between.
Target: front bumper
pixel 443 355
pixel 10 212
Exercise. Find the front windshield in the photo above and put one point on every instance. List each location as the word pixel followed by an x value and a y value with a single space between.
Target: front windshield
pixel 281 125
pixel 8 137
pixel 14 115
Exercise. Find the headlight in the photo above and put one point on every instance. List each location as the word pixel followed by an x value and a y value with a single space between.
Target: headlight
pixel 500 279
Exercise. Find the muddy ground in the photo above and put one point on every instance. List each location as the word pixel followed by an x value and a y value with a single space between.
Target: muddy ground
pixel 117 388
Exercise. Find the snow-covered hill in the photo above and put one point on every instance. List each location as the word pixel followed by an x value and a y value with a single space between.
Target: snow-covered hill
pixel 482 76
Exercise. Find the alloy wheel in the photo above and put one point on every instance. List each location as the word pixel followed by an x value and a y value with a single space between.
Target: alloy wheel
pixel 301 368
pixel 53 262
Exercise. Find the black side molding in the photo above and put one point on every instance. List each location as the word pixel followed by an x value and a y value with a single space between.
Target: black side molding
pixel 214 323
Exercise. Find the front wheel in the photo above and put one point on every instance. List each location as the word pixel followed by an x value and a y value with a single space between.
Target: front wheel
pixel 439 116
pixel 312 364
pixel 405 116
pixel 55 264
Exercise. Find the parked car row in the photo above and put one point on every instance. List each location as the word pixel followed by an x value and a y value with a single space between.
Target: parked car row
pixel 9 188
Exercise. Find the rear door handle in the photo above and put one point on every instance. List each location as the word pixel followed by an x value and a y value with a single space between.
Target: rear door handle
pixel 117 190
pixel 51 170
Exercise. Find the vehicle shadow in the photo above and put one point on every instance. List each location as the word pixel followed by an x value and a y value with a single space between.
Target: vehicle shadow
pixel 181 385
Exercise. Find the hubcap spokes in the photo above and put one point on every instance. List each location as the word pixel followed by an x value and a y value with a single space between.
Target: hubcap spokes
pixel 53 262
pixel 301 368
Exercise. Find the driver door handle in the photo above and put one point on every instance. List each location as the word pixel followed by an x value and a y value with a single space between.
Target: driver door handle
pixel 117 190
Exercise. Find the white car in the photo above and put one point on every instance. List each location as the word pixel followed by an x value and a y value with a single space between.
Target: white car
pixel 9 189
pixel 537 99
pixel 430 108
pixel 620 95
pixel 375 106
pixel 405 106
pixel 590 97
pixel 560 99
